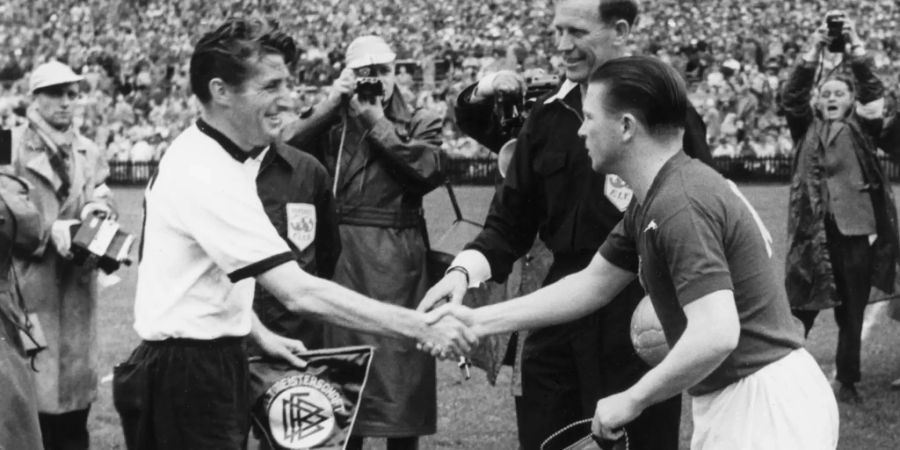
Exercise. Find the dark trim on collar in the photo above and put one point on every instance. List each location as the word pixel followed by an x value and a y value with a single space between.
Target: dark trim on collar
pixel 228 145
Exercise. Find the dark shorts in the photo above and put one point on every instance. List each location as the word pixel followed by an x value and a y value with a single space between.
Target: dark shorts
pixel 184 394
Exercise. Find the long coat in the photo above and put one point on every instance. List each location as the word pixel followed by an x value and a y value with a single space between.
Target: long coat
pixel 809 277
pixel 63 295
pixel 385 168
pixel 20 230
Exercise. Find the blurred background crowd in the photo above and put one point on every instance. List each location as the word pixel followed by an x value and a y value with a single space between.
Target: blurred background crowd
pixel 134 55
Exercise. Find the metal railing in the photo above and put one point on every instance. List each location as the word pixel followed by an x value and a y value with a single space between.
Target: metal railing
pixel 483 171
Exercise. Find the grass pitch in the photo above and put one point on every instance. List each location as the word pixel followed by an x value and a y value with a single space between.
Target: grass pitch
pixel 474 415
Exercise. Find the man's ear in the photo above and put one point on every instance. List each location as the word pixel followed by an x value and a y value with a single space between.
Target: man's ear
pixel 629 126
pixel 622 29
pixel 219 92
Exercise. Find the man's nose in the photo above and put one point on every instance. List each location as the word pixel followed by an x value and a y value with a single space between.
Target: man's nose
pixel 564 42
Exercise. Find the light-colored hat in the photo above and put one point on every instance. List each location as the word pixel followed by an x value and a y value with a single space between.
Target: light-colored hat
pixel 369 50
pixel 51 74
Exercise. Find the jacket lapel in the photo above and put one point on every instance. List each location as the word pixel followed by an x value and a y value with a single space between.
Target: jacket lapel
pixel 39 163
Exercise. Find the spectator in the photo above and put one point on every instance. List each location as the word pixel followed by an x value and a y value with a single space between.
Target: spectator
pixel 383 156
pixel 67 173
pixel 842 222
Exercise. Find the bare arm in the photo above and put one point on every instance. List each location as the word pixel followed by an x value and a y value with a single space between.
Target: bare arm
pixel 303 293
pixel 570 298
pixel 712 333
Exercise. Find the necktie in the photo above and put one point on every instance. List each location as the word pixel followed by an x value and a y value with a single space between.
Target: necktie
pixel 59 161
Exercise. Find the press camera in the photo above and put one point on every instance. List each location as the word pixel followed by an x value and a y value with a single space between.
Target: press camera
pixel 512 108
pixel 100 242
pixel 835 20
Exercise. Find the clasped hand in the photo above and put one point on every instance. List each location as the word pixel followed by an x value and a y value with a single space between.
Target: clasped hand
pixel 449 332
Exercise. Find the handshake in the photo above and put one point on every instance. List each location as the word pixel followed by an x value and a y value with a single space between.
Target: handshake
pixel 452 329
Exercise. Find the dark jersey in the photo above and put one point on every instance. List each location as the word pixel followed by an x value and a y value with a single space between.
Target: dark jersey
pixel 295 192
pixel 693 235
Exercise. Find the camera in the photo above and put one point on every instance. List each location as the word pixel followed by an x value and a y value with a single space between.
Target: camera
pixel 834 20
pixel 512 108
pixel 368 88
pixel 100 242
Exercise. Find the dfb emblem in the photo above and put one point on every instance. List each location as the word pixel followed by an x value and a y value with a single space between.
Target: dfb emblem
pixel 301 224
pixel 618 192
pixel 302 416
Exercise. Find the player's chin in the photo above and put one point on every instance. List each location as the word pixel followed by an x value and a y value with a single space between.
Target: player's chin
pixel 272 124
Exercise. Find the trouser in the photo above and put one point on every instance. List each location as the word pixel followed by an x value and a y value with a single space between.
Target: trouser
pixel 66 431
pixel 185 394
pixel 397 443
pixel 562 382
pixel 787 404
pixel 851 262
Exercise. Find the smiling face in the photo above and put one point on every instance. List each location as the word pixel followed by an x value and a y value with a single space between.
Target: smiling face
pixel 582 39
pixel 257 104
pixel 835 99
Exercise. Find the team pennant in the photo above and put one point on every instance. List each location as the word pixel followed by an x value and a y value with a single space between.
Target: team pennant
pixel 312 408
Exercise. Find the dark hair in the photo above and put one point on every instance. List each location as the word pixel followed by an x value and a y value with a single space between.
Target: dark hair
pixel 648 88
pixel 612 11
pixel 225 53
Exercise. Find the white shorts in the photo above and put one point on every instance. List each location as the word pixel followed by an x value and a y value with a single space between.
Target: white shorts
pixel 786 405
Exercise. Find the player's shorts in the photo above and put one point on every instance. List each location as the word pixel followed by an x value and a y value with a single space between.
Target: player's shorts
pixel 788 404
pixel 185 394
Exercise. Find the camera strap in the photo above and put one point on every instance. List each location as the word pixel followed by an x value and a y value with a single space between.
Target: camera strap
pixel 340 155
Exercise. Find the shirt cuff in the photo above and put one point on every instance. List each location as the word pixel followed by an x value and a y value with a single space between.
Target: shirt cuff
pixel 476 264
pixel 260 267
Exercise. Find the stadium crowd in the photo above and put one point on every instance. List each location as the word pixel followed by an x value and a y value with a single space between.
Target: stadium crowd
pixel 133 54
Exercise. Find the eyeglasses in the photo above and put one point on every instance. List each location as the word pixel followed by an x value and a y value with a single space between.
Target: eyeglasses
pixel 373 70
pixel 59 92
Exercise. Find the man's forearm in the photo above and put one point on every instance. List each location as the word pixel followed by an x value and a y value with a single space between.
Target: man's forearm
pixel 572 297
pixel 300 131
pixel 327 301
pixel 705 343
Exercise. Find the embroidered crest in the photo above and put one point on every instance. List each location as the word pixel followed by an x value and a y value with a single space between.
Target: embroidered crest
pixel 301 411
pixel 301 224
pixel 618 192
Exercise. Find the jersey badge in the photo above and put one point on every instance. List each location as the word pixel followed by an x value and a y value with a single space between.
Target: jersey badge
pixel 617 192
pixel 301 224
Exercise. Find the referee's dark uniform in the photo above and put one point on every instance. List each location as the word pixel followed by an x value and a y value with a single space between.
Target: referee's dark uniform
pixel 295 191
pixel 551 191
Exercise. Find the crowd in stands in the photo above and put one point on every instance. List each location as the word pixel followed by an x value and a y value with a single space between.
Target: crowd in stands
pixel 134 56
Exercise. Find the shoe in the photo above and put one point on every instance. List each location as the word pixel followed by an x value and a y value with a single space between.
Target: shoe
pixel 847 393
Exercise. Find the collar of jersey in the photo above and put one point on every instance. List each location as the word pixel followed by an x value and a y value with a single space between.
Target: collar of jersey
pixel 227 144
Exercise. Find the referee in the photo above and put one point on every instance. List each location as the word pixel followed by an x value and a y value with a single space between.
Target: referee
pixel 206 237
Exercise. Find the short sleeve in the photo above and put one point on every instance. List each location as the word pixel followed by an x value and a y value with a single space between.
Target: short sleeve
pixel 219 208
pixel 691 242
pixel 619 247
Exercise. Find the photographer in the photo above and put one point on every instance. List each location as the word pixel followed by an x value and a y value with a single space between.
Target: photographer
pixel 842 224
pixel 383 157
pixel 67 173
pixel 550 191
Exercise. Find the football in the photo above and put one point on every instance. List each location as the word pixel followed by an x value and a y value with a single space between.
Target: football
pixel 647 335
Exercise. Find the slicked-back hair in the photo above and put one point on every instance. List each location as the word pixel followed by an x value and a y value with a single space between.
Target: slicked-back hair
pixel 646 87
pixel 229 51
pixel 612 11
